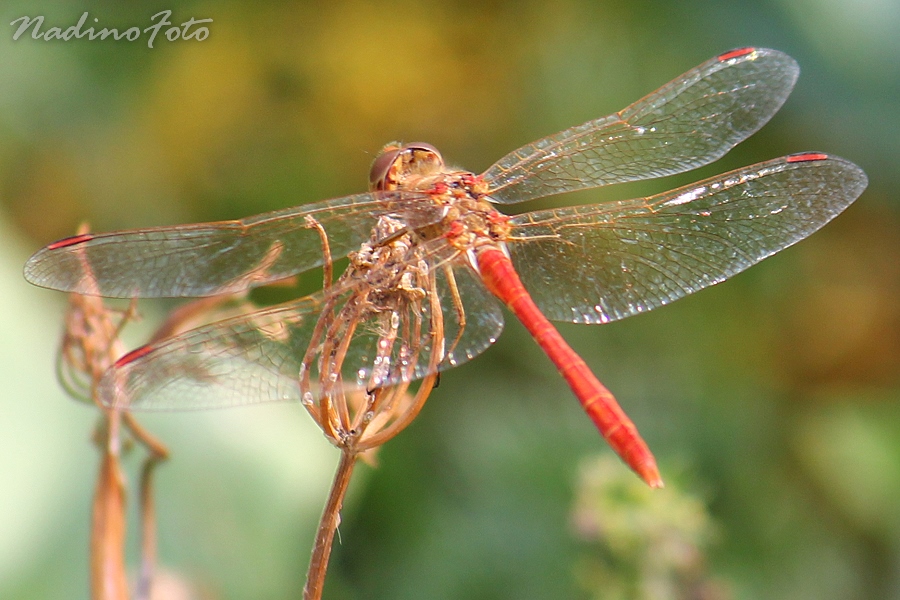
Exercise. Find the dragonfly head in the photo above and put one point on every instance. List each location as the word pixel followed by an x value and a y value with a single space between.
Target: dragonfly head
pixel 397 162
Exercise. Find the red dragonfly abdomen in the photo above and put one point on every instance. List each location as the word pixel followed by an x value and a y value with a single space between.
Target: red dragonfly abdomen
pixel 501 279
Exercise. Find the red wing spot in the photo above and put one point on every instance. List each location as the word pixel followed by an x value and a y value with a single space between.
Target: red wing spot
pixel 71 241
pixel 806 157
pixel 133 355
pixel 740 52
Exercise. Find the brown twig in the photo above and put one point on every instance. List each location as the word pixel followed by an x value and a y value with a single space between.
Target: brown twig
pixel 108 575
pixel 331 518
pixel 90 346
pixel 143 588
pixel 157 453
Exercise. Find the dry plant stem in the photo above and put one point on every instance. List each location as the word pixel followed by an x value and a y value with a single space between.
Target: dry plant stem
pixel 158 453
pixel 153 445
pixel 331 518
pixel 148 530
pixel 108 575
pixel 400 424
pixel 181 318
pixel 109 580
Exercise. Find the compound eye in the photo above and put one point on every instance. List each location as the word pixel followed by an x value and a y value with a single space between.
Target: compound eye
pixel 426 148
pixel 424 159
pixel 381 166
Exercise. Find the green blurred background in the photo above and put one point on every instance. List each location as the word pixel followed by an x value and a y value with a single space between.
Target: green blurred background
pixel 771 401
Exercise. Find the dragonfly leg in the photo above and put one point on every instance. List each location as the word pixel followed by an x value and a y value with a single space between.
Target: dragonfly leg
pixel 458 308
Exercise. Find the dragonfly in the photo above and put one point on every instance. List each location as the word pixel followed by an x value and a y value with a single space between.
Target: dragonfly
pixel 430 255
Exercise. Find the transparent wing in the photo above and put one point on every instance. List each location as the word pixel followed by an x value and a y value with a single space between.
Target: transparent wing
pixel 259 357
pixel 688 122
pixel 222 257
pixel 594 264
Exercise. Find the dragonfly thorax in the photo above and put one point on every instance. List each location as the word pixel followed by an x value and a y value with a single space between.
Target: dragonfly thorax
pixel 469 220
